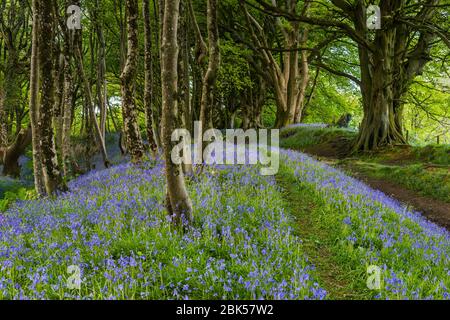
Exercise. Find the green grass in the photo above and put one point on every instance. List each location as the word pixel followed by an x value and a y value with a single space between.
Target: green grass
pixel 299 138
pixel 349 227
pixel 339 279
pixel 425 170
pixel 437 154
pixel 428 181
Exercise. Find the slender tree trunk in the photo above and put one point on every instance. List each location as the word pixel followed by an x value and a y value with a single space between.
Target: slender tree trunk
pixel 59 101
pixel 102 89
pixel 90 108
pixel 34 103
pixel 128 79
pixel 179 204
pixel 148 91
pixel 303 85
pixel 68 96
pixel 3 121
pixel 210 77
pixel 52 176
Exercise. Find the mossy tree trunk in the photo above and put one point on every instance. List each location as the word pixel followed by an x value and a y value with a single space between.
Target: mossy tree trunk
pixel 52 175
pixel 149 83
pixel 128 79
pixel 388 68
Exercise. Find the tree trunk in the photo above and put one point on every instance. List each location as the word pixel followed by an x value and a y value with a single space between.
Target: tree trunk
pixel 148 91
pixel 209 80
pixel 10 157
pixel 102 90
pixel 59 100
pixel 179 204
pixel 34 103
pixel 68 96
pixel 52 176
pixel 128 78
pixel 303 85
pixel 91 117
pixel 3 121
pixel 387 71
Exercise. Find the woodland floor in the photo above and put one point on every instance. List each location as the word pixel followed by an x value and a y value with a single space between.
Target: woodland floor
pixel 329 228
pixel 335 152
pixel 435 210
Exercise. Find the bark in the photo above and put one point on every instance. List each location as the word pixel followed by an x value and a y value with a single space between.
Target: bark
pixel 179 204
pixel 90 108
pixel 149 84
pixel 210 77
pixel 10 156
pixel 3 121
pixel 52 176
pixel 303 85
pixel 68 101
pixel 59 100
pixel 102 94
pixel 34 103
pixel 128 78
pixel 387 70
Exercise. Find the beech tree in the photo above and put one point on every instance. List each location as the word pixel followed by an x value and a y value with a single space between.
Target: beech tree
pixel 149 83
pixel 128 79
pixel 290 75
pixel 389 57
pixel 178 203
pixel 52 175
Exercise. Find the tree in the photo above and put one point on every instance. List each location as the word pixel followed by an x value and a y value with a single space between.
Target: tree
pixel 128 79
pixel 34 103
pixel 389 58
pixel 210 77
pixel 289 76
pixel 52 176
pixel 179 204
pixel 149 91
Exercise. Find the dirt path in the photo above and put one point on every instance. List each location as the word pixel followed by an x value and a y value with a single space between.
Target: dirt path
pixel 435 210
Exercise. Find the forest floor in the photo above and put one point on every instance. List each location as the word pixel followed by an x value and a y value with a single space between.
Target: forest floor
pixel 419 178
pixel 310 232
pixel 435 210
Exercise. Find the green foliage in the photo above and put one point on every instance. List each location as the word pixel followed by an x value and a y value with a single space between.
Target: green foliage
pixel 332 98
pixel 234 70
pixel 299 138
pixel 20 194
pixel 437 154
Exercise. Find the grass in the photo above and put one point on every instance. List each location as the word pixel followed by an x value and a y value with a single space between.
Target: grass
pixel 425 170
pixel 338 279
pixel 428 181
pixel 300 138
pixel 363 227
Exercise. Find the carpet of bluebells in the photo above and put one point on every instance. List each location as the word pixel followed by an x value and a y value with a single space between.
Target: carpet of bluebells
pixel 113 225
pixel 373 229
